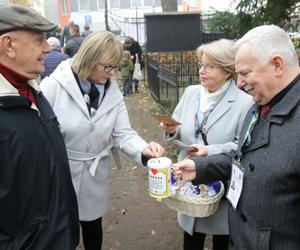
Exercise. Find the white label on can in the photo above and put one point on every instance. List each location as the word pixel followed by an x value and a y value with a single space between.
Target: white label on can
pixel 157 183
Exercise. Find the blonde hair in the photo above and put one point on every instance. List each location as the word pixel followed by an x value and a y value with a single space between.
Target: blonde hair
pixel 98 47
pixel 221 53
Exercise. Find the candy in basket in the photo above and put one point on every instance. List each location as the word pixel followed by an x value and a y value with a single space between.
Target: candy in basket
pixel 197 201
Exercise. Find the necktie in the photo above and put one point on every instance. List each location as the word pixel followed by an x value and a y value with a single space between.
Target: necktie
pixel 264 111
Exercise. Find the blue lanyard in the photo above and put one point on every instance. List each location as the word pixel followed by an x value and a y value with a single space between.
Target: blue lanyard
pixel 253 122
pixel 200 127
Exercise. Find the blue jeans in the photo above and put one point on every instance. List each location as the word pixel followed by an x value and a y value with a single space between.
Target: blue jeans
pixel 126 86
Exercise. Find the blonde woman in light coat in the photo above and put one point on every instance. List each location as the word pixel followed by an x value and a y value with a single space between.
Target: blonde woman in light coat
pixel 218 107
pixel 89 125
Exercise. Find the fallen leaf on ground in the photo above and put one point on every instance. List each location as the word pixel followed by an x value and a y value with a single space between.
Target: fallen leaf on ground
pixel 123 211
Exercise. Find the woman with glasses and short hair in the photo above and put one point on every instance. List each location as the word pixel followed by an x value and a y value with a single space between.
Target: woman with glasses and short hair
pixel 212 115
pixel 92 114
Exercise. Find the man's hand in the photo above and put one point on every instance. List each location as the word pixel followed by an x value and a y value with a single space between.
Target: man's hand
pixel 184 170
pixel 153 150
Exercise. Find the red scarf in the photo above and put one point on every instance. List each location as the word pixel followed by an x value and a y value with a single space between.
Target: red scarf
pixel 18 81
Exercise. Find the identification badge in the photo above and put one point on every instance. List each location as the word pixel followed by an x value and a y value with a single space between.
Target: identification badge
pixel 236 184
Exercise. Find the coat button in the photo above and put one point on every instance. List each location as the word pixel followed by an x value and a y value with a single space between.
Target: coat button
pixel 251 167
pixel 92 127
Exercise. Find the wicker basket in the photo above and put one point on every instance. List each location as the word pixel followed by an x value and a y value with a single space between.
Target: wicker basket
pixel 196 207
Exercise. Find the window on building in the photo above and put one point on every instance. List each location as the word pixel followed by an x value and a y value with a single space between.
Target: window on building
pixel 136 3
pixel 115 4
pixel 148 3
pixel 83 5
pixel 141 3
pixel 111 4
pixel 101 4
pixel 64 7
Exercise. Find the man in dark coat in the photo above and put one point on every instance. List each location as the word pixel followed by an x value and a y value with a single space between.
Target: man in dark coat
pixel 54 58
pixel 73 45
pixel 264 176
pixel 86 31
pixel 38 203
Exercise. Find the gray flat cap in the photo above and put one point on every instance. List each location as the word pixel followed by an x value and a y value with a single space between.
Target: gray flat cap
pixel 17 17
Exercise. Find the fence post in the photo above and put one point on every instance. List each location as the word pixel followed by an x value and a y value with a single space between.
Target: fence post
pixel 137 25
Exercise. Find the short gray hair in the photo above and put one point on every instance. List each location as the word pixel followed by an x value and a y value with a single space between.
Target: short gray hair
pixel 53 42
pixel 269 40
pixel 221 53
pixel 98 47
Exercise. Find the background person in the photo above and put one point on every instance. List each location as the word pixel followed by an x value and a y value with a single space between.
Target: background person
pixel 92 112
pixel 265 214
pixel 54 57
pixel 126 69
pixel 66 36
pixel 86 31
pixel 73 45
pixel 55 33
pixel 217 108
pixel 135 49
pixel 38 203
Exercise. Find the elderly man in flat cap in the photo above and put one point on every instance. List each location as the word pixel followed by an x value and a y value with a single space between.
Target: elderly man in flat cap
pixel 38 208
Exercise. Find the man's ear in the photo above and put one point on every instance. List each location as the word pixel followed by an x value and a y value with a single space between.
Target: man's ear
pixel 7 45
pixel 277 61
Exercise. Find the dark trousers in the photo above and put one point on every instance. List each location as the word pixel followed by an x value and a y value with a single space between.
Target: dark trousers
pixel 196 242
pixel 135 82
pixel 92 234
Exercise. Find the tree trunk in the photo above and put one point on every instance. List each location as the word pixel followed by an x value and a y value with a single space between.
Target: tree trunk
pixel 169 5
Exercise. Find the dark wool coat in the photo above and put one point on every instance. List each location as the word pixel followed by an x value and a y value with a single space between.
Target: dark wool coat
pixel 38 207
pixel 268 212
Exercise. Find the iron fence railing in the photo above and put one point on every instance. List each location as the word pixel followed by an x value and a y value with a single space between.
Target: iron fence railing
pixel 169 74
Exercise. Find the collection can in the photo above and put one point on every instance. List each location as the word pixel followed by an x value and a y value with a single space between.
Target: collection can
pixel 159 177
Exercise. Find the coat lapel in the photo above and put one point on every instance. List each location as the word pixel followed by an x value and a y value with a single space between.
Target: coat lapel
pixel 260 135
pixel 222 107
pixel 65 77
pixel 111 99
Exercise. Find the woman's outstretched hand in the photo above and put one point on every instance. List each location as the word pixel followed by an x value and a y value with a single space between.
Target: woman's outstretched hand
pixel 153 150
pixel 168 128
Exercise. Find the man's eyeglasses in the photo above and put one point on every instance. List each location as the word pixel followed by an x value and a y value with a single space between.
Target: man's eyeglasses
pixel 108 68
pixel 207 67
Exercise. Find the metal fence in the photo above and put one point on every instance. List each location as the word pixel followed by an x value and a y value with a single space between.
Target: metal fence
pixel 169 74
